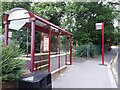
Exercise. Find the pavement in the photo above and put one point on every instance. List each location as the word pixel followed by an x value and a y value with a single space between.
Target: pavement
pixel 86 73
pixel 119 66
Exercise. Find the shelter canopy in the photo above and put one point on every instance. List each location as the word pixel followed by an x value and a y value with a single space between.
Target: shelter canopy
pixel 20 17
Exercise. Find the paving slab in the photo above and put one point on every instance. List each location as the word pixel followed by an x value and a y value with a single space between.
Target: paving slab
pixel 85 73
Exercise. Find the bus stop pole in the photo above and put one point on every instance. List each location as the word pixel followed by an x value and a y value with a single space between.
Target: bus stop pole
pixel 103 43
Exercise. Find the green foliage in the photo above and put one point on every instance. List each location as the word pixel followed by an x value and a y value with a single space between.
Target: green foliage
pixel 23 37
pixel 20 37
pixel 87 50
pixel 117 35
pixel 9 5
pixel 80 19
pixel 12 66
pixel 49 10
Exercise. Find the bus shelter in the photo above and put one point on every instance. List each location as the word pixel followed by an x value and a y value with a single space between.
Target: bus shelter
pixel 17 18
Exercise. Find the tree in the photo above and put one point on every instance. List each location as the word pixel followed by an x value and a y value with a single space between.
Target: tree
pixel 80 19
pixel 53 13
pixel 12 67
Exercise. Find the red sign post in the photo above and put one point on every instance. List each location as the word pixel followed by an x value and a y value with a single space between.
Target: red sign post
pixel 100 26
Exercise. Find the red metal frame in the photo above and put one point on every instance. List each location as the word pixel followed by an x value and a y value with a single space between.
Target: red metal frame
pixel 50 24
pixel 5 21
pixel 36 67
pixel 70 50
pixel 6 34
pixel 49 36
pixel 32 44
pixel 58 53
pixel 42 42
pixel 66 51
pixel 103 43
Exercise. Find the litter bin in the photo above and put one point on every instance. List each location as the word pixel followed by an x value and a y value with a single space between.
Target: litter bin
pixel 36 81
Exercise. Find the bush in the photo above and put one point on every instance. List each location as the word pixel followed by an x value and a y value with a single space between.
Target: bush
pixel 87 50
pixel 12 66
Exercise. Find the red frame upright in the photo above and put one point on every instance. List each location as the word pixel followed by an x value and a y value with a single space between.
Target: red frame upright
pixel 6 22
pixel 58 53
pixel 32 43
pixel 70 50
pixel 49 36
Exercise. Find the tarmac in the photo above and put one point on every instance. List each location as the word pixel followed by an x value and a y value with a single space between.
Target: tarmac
pixel 86 73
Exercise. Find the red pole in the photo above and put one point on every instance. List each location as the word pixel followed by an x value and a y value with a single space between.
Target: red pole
pixel 42 42
pixel 70 50
pixel 6 35
pixel 59 53
pixel 57 45
pixel 103 43
pixel 32 44
pixel 36 66
pixel 49 51
pixel 5 21
pixel 66 52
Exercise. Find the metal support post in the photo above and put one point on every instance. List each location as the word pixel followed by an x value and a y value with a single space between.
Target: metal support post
pixel 66 51
pixel 6 30
pixel 59 53
pixel 49 36
pixel 32 44
pixel 6 35
pixel 70 50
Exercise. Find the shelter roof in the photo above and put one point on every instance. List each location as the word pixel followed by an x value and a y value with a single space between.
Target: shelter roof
pixel 20 17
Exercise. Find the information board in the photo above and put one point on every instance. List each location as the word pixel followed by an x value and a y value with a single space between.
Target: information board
pixel 45 44
pixel 99 26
